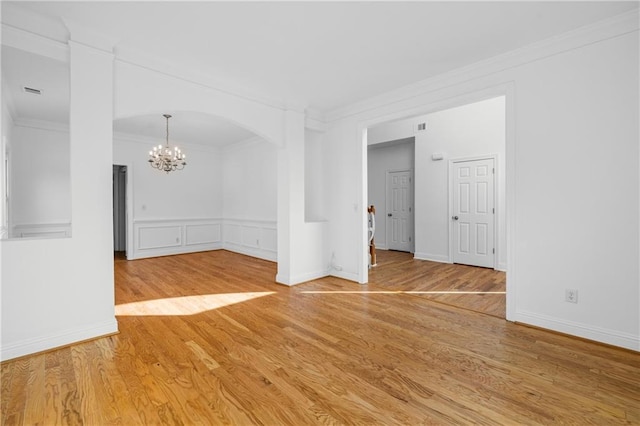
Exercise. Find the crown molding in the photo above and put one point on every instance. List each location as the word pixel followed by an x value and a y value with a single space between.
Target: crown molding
pixel 141 59
pixel 41 124
pixel 83 36
pixel 33 22
pixel 314 120
pixel 34 43
pixel 599 31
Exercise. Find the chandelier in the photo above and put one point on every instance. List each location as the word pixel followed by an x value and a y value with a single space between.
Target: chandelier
pixel 165 158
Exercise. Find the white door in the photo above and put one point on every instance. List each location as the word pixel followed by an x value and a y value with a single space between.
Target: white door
pixel 399 211
pixel 473 212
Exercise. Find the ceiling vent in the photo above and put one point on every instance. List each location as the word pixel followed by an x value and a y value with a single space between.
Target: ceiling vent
pixel 32 90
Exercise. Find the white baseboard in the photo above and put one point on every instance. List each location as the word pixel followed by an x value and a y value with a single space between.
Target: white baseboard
pixel 431 257
pixel 291 281
pixel 598 334
pixel 251 251
pixel 169 251
pixel 299 279
pixel 350 276
pixel 40 344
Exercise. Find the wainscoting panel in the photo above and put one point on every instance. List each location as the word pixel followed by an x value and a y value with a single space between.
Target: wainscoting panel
pixel 251 237
pixel 155 237
pixel 163 237
pixel 232 234
pixel 203 234
pixel 269 239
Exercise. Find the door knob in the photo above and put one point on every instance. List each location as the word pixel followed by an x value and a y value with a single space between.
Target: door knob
pixel 454 217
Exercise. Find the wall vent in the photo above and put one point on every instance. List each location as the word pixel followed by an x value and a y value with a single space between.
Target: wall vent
pixel 32 90
pixel 422 126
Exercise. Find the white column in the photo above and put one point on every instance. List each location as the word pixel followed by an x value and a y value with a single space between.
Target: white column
pixel 301 249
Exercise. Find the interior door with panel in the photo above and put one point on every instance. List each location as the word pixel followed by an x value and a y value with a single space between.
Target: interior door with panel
pixel 399 211
pixel 473 212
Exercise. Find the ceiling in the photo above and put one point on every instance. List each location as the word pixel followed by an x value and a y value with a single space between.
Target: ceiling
pixel 319 55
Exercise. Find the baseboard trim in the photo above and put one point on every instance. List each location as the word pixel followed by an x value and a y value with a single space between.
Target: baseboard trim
pixel 431 257
pixel 253 252
pixel 169 251
pixel 597 334
pixel 350 276
pixel 47 343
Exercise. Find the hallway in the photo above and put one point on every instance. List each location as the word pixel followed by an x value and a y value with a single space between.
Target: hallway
pixel 469 287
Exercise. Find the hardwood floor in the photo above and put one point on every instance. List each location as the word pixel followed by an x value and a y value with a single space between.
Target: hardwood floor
pixel 469 287
pixel 208 338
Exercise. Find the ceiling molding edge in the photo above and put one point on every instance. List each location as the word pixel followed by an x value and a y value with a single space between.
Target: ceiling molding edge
pixel 41 124
pixel 38 44
pixel 142 60
pixel 80 34
pixel 33 22
pixel 579 37
pixel 315 120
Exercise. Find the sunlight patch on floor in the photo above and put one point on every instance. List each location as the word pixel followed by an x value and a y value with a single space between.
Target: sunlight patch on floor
pixel 402 292
pixel 185 305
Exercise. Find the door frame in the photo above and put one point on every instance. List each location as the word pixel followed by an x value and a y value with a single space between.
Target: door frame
pixel 411 202
pixel 496 241
pixel 449 99
pixel 128 205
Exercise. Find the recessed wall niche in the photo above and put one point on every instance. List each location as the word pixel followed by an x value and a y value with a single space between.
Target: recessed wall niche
pixel 36 185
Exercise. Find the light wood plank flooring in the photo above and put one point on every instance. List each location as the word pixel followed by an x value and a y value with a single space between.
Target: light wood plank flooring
pixel 208 338
pixel 469 287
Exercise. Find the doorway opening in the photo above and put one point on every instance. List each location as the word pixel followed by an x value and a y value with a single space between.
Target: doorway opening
pixel 120 211
pixel 391 191
pixel 455 131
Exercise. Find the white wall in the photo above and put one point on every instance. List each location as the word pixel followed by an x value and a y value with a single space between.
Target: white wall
pixel 178 212
pixel 194 192
pixel 468 131
pixel 249 189
pixel 381 159
pixel 250 180
pixel 59 291
pixel 572 175
pixel 315 188
pixel 40 180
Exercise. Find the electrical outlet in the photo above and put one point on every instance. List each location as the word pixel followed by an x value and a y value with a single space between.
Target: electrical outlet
pixel 571 295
